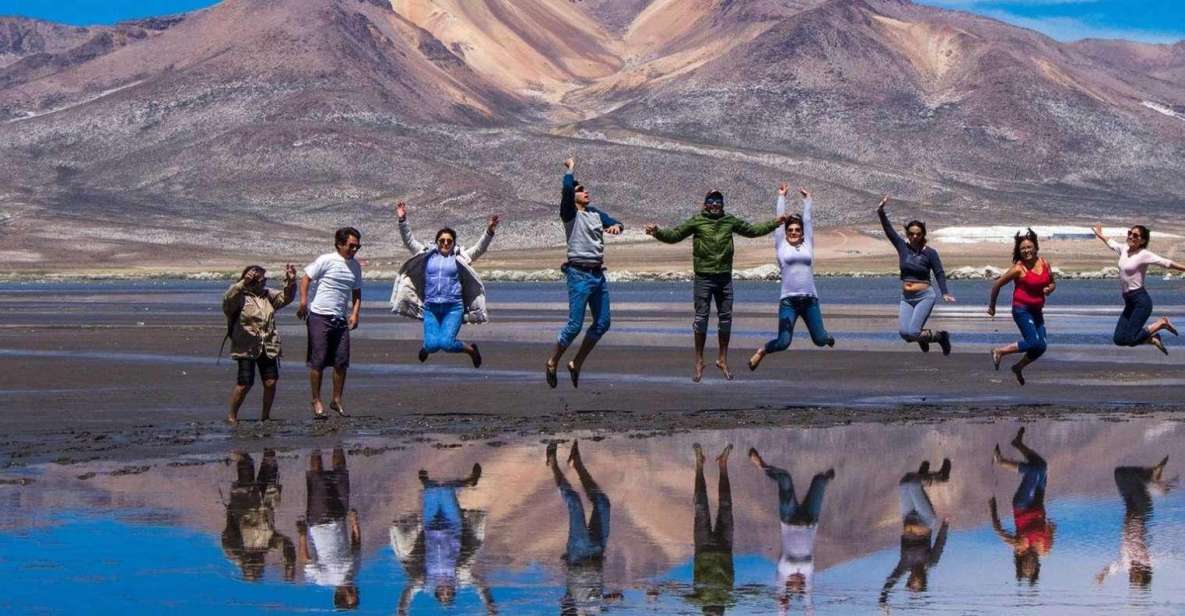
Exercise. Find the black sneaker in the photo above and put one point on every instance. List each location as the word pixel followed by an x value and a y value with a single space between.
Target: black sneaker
pixel 944 342
pixel 423 355
pixel 924 345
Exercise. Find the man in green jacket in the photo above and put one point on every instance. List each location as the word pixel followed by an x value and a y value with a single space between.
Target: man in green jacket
pixel 712 252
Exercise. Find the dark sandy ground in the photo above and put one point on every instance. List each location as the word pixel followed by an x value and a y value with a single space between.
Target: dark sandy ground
pixel 80 382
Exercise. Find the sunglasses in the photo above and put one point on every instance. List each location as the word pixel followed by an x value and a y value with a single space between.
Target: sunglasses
pixel 445 240
pixel 1135 235
pixel 794 230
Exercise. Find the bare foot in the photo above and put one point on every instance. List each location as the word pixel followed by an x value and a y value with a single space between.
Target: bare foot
pixel 698 375
pixel 551 453
pixel 722 459
pixel 756 360
pixel 1169 326
pixel 755 458
pixel 699 454
pixel 997 457
pixel 319 410
pixel 574 454
pixel 232 420
pixel 723 366
pixel 1019 439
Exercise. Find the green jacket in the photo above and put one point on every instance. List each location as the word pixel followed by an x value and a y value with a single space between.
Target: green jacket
pixel 711 252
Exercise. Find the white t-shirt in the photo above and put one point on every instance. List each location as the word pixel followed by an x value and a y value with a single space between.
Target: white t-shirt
pixel 333 562
pixel 335 279
pixel 1133 267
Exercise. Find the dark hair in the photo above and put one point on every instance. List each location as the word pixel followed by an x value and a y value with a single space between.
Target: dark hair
pixel 1028 566
pixel 793 219
pixel 247 270
pixel 1145 234
pixel 1029 235
pixel 447 230
pixel 1140 575
pixel 916 223
pixel 714 196
pixel 345 597
pixel 342 235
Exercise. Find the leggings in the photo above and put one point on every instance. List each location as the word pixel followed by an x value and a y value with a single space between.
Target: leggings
pixel 442 323
pixel 789 311
pixel 913 312
pixel 1137 308
pixel 1031 322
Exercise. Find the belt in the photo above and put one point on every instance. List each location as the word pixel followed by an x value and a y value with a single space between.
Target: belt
pixel 595 269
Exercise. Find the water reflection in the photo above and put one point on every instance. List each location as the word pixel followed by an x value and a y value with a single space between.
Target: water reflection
pixel 918 519
pixel 1136 486
pixel 438 547
pixel 1033 536
pixel 798 521
pixel 250 532
pixel 689 535
pixel 329 536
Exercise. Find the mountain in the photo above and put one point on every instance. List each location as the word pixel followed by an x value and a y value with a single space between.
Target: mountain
pixel 253 126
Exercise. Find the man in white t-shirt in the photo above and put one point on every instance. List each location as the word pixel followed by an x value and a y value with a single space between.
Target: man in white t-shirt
pixel 334 311
pixel 329 538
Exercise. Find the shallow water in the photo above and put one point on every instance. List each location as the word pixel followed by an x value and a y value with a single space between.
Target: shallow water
pixel 185 535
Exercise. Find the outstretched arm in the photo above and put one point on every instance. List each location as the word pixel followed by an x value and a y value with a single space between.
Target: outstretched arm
pixel 413 245
pixel 675 234
pixel 999 528
pixel 1098 232
pixel 611 225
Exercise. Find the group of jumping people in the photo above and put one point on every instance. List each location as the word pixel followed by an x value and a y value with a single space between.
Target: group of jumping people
pixel 439 286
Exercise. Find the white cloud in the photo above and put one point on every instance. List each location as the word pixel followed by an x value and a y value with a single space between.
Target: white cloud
pixel 1070 29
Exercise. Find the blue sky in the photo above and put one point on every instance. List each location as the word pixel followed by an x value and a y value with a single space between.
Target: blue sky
pixel 1157 21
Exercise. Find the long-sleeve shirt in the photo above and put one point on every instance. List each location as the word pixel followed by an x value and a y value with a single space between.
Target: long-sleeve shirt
pixel 712 248
pixel 797 262
pixel 442 282
pixel 584 229
pixel 915 265
pixel 1133 267
pixel 253 329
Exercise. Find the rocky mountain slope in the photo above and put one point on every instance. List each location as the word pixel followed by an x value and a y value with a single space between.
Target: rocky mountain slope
pixel 255 125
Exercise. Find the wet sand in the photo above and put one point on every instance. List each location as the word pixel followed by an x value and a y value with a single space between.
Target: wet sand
pixel 94 376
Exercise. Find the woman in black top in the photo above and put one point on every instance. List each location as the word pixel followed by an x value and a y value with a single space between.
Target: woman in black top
pixel 916 261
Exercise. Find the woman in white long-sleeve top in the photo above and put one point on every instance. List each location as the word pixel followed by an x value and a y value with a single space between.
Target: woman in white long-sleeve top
pixel 1134 259
pixel 439 286
pixel 795 250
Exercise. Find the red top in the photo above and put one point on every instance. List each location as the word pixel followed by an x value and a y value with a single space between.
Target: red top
pixel 1032 527
pixel 1029 289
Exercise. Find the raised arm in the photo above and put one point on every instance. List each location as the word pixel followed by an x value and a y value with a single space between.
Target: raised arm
pixel 890 232
pixel 808 219
pixel 1008 276
pixel 232 300
pixel 1098 232
pixel 413 245
pixel 283 297
pixel 475 251
pixel 780 211
pixel 568 195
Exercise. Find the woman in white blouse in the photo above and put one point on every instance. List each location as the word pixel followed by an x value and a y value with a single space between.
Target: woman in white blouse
pixel 1134 259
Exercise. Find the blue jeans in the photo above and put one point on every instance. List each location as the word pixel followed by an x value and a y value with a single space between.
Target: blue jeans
pixel 789 310
pixel 1031 322
pixel 586 541
pixel 589 289
pixel 442 322
pixel 913 312
pixel 790 510
pixel 1137 308
pixel 1031 490
pixel 441 508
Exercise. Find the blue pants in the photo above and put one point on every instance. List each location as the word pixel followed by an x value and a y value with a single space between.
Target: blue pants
pixel 586 541
pixel 442 323
pixel 1031 322
pixel 441 507
pixel 585 289
pixel 790 510
pixel 1137 308
pixel 1031 490
pixel 789 310
pixel 913 312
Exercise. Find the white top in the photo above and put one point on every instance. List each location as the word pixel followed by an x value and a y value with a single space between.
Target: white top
pixel 335 278
pixel 332 562
pixel 1132 268
pixel 796 262
pixel 798 542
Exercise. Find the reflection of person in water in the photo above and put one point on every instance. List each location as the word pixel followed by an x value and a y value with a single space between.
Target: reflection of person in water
pixel 438 548
pixel 918 520
pixel 251 518
pixel 799 521
pixel 330 540
pixel 1034 531
pixel 712 572
pixel 584 560
pixel 1136 485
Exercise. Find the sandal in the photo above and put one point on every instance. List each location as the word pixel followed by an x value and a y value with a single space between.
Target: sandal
pixel 551 380
pixel 337 408
pixel 574 374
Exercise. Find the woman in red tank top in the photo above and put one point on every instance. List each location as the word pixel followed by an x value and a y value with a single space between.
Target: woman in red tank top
pixel 1033 280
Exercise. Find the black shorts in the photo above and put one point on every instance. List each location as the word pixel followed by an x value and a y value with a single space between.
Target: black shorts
pixel 329 342
pixel 269 369
pixel 327 496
